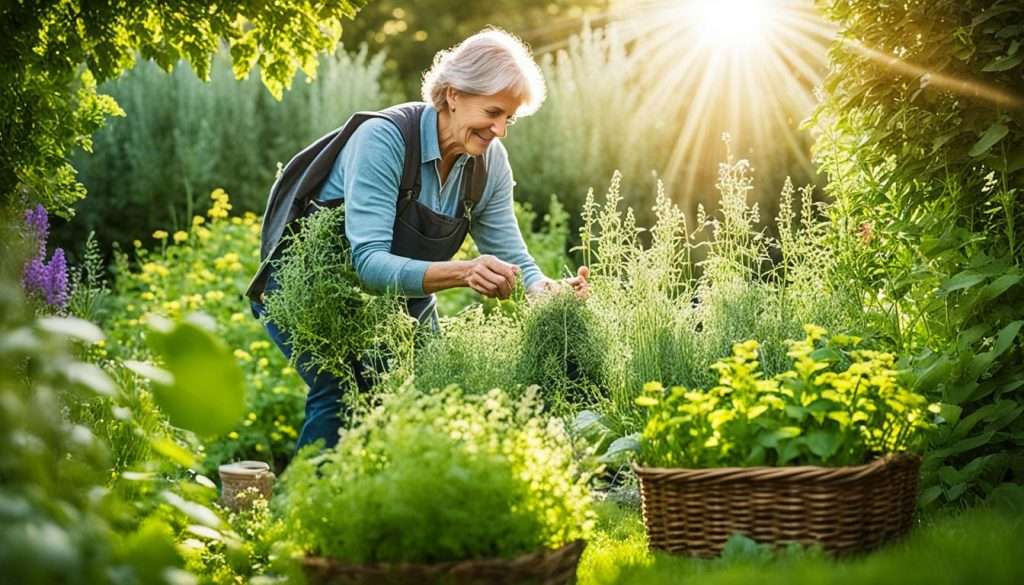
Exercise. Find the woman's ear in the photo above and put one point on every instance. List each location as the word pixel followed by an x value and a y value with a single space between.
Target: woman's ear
pixel 451 96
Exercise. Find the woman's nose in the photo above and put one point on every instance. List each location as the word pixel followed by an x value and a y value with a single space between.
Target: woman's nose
pixel 499 128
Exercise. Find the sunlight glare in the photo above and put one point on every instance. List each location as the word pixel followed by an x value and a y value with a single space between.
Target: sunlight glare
pixel 732 24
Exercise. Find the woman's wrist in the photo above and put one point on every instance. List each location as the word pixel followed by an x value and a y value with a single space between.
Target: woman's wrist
pixel 444 275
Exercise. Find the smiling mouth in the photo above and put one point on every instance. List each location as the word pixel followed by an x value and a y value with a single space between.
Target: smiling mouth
pixel 481 138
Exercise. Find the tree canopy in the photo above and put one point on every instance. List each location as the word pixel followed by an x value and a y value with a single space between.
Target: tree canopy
pixel 54 53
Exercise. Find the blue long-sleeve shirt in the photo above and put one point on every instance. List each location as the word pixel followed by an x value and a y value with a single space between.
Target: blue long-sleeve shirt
pixel 366 175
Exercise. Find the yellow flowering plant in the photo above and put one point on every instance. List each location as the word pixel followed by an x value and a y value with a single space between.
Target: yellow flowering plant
pixel 839 404
pixel 206 268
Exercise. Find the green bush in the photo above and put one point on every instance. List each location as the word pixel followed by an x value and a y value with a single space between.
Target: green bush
pixel 675 305
pixel 439 477
pixel 93 487
pixel 563 351
pixel 183 137
pixel 927 177
pixel 56 52
pixel 323 306
pixel 838 405
pixel 478 350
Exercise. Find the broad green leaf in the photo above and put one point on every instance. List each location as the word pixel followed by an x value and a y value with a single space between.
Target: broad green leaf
pixel 990 138
pixel 950 413
pixel 982 362
pixel 822 443
pixel 72 327
pixel 959 393
pixel 936 373
pixel 929 495
pixel 772 438
pixel 196 512
pixel 207 395
pixel 589 424
pixel 797 412
pixel 1004 63
pixel 621 448
pixel 150 372
pixel 1000 285
pixel 963 280
pixel 174 452
pixel 1006 337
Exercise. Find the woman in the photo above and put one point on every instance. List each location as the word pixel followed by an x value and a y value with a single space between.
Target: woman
pixel 403 241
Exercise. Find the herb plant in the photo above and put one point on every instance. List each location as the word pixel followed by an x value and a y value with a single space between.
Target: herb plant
pixel 839 405
pixel 439 477
pixel 563 350
pixel 322 305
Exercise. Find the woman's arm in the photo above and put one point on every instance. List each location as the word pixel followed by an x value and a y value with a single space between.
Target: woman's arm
pixel 494 226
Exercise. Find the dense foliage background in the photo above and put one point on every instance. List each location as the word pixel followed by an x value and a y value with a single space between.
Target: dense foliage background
pixel 911 258
pixel 928 181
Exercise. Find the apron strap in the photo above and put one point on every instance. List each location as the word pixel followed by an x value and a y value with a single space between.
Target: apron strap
pixel 474 179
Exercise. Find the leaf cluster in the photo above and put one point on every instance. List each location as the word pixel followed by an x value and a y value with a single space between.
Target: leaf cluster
pixel 926 165
pixel 563 350
pixel 838 405
pixel 54 52
pixel 205 269
pixel 439 477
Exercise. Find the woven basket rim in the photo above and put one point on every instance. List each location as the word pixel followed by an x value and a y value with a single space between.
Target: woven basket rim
pixel 570 549
pixel 764 472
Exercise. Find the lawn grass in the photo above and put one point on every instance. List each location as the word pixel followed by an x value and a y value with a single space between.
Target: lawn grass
pixel 980 546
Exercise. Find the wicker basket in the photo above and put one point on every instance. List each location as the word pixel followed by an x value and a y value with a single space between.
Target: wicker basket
pixel 847 510
pixel 546 567
pixel 239 476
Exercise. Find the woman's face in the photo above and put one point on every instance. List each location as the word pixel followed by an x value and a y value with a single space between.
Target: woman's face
pixel 478 119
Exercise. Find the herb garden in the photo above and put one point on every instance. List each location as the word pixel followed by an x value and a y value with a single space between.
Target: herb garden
pixel 799 360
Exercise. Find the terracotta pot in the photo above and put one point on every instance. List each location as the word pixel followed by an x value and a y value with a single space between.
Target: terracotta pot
pixel 237 477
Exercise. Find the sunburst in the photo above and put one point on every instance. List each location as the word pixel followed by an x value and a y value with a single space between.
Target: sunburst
pixel 743 67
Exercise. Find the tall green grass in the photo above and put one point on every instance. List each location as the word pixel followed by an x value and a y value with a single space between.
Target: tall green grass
pixel 675 305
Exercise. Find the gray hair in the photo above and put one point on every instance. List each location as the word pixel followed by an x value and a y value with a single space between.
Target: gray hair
pixel 486 63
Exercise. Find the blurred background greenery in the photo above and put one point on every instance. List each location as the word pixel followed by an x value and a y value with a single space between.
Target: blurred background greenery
pixel 626 92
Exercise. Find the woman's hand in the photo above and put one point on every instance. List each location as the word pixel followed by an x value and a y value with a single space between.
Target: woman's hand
pixel 578 284
pixel 491 277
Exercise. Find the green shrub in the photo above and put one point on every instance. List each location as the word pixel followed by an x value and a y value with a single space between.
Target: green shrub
pixel 477 350
pixel 676 304
pixel 563 350
pixel 838 405
pixel 439 477
pixel 183 137
pixel 927 176
pixel 323 306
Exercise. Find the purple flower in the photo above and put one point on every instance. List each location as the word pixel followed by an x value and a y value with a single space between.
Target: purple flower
pixel 56 290
pixel 49 280
pixel 38 223
pixel 36 275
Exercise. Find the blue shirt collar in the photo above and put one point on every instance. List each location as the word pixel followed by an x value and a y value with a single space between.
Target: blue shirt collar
pixel 430 148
